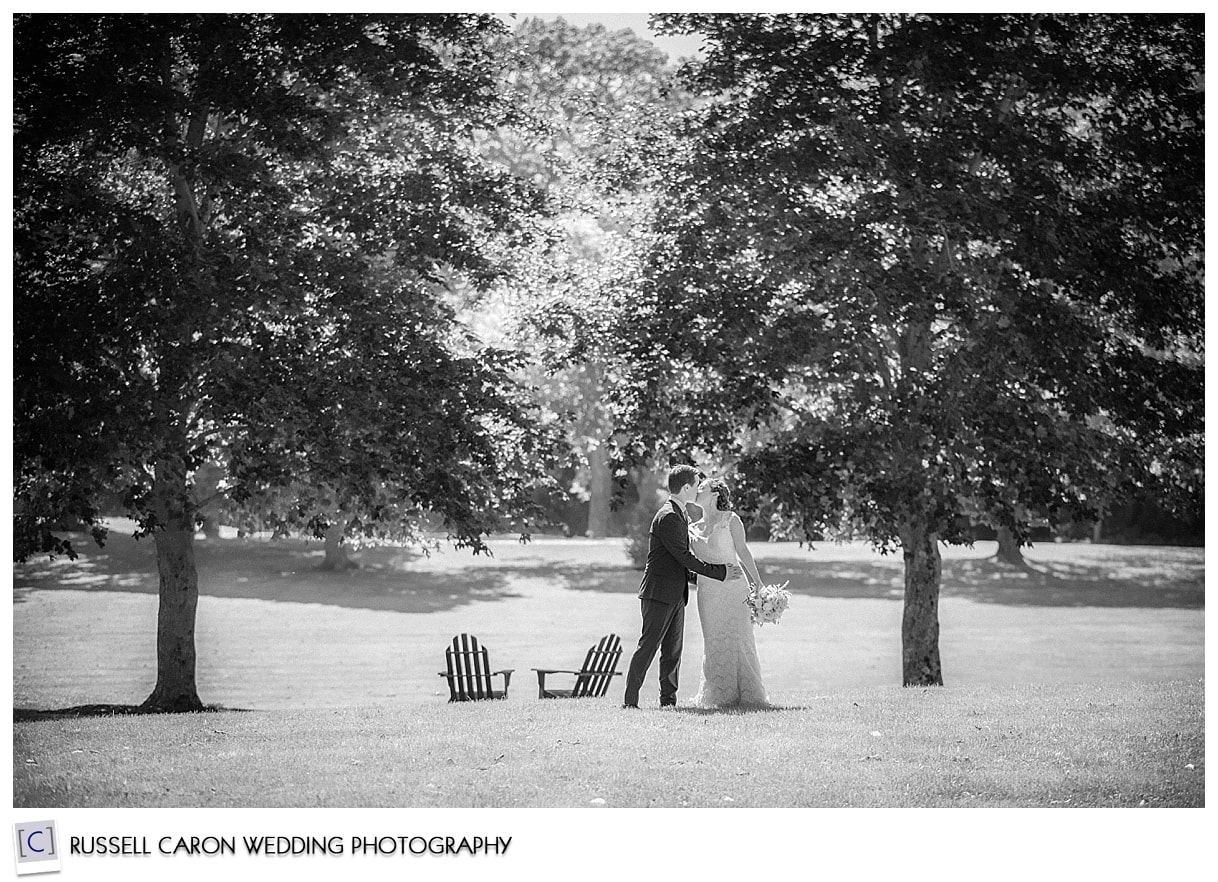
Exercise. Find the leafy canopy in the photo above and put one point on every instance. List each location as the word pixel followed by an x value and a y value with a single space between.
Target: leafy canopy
pixel 930 269
pixel 227 238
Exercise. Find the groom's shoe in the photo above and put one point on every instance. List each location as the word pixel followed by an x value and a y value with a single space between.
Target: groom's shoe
pixel 668 704
pixel 635 706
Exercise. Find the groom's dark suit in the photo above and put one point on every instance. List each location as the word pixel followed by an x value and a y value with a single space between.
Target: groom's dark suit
pixel 663 594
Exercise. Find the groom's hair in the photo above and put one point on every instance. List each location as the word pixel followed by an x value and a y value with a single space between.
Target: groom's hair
pixel 680 477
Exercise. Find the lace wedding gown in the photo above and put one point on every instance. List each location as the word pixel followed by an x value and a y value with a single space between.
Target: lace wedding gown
pixel 731 672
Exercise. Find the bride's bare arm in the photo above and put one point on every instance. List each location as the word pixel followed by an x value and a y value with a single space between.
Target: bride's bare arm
pixel 742 550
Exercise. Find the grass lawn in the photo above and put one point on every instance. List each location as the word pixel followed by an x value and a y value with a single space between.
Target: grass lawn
pixel 274 633
pixel 1074 681
pixel 1112 745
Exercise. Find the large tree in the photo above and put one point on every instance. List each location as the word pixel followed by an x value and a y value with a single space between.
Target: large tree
pixel 919 271
pixel 228 235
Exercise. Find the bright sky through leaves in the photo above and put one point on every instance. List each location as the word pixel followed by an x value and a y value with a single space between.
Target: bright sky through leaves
pixel 677 47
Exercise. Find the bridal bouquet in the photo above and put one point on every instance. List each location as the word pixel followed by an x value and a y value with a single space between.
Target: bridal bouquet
pixel 767 602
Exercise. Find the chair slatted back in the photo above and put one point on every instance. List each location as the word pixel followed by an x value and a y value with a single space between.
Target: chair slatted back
pixel 599 665
pixel 469 669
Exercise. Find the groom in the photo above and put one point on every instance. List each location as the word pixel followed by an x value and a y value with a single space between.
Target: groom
pixel 665 588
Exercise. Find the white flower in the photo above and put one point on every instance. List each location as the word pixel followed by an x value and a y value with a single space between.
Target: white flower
pixel 767 602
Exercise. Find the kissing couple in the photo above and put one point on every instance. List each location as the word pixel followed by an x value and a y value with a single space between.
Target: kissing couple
pixel 714 549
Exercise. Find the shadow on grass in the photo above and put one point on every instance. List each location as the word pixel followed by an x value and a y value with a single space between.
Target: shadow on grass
pixel 1140 582
pixel 26 715
pixel 284 571
pixel 1137 582
pixel 984 580
pixel 604 578
pixel 401 580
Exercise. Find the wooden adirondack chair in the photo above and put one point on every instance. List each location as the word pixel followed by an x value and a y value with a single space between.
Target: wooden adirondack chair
pixel 469 671
pixel 592 680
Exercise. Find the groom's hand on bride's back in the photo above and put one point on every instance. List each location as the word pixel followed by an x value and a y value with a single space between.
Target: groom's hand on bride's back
pixel 734 571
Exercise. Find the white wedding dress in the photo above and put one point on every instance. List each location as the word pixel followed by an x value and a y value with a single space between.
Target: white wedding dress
pixel 731 672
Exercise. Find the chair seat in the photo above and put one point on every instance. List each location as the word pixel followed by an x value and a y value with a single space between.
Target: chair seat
pixel 592 680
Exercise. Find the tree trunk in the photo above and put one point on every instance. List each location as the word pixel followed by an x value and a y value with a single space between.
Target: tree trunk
pixel 179 592
pixel 1008 548
pixel 920 623
pixel 600 491
pixel 336 552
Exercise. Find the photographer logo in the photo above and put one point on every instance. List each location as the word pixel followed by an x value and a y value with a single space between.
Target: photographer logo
pixel 36 846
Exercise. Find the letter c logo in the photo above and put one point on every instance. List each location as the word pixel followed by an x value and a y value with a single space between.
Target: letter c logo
pixel 29 841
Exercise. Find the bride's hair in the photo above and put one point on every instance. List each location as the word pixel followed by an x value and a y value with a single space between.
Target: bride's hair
pixel 718 485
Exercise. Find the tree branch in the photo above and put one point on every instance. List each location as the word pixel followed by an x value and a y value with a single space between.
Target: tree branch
pixel 197 129
pixel 184 198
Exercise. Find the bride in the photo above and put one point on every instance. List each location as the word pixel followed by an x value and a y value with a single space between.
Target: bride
pixel 731 672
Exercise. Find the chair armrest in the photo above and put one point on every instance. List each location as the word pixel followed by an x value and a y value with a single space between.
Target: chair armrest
pixel 554 671
pixel 504 671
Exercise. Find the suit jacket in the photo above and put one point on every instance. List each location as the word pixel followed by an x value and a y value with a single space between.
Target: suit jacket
pixel 670 563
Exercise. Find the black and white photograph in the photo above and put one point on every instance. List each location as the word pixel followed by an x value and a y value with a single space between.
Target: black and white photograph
pixel 690 412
